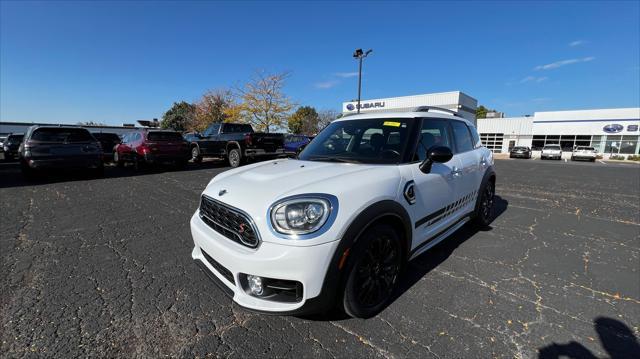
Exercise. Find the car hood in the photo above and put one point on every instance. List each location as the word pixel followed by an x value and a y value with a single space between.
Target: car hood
pixel 268 181
pixel 256 187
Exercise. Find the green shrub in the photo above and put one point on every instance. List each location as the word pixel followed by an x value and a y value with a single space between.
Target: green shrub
pixel 634 158
pixel 616 157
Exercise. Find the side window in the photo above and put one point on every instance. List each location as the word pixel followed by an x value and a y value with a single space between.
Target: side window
pixel 461 136
pixel 434 132
pixel 125 138
pixel 475 137
pixel 211 130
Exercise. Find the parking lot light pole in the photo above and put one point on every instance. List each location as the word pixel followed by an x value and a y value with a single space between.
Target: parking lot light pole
pixel 359 54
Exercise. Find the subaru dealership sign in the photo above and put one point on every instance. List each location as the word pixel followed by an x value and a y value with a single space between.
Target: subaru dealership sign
pixel 613 128
pixel 366 105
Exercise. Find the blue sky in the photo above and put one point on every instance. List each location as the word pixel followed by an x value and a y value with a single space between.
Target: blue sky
pixel 116 62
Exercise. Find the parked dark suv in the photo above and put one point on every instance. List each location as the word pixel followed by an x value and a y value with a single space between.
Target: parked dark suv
pixel 49 147
pixel 520 151
pixel 145 146
pixel 108 141
pixel 10 146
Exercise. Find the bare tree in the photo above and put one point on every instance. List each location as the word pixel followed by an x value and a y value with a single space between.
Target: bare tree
pixel 213 107
pixel 263 102
pixel 325 117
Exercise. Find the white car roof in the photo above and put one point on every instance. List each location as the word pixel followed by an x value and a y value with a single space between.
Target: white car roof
pixel 377 115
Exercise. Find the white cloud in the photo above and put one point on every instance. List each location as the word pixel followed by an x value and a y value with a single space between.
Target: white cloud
pixel 326 84
pixel 577 43
pixel 555 65
pixel 346 75
pixel 534 79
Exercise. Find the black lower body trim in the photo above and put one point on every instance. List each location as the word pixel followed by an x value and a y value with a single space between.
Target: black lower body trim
pixel 439 234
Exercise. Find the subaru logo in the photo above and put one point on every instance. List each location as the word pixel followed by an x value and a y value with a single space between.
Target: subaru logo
pixel 222 192
pixel 613 128
pixel 351 107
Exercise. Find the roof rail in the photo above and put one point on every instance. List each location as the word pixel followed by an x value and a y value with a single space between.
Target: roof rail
pixel 434 108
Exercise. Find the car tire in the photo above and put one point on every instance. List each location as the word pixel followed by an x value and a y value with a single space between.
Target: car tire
pixel 573 158
pixel 234 157
pixel 195 155
pixel 372 272
pixel 484 209
pixel 118 161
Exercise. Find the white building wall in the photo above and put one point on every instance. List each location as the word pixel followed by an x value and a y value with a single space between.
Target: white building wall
pixel 457 101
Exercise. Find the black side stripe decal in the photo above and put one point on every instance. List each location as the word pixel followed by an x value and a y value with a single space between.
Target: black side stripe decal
pixel 430 217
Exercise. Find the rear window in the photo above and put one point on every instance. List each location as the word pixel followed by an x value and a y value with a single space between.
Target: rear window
pixel 235 127
pixel 519 148
pixel 585 148
pixel 164 136
pixel 61 135
pixel 551 148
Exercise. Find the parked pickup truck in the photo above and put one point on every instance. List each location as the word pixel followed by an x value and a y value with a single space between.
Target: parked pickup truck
pixel 234 142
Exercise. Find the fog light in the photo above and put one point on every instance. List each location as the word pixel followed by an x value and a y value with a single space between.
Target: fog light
pixel 255 284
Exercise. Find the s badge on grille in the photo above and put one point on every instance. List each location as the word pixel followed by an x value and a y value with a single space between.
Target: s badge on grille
pixel 222 192
pixel 241 228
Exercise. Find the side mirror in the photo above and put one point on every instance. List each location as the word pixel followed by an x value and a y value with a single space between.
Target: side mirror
pixel 435 154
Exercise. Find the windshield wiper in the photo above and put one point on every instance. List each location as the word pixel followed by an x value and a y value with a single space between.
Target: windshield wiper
pixel 332 159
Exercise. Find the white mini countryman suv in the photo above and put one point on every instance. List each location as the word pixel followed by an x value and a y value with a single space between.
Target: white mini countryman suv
pixel 336 226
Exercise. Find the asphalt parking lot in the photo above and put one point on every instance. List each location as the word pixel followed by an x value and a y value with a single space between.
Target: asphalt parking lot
pixel 102 268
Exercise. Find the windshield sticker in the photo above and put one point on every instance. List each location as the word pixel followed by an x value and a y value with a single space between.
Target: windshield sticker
pixel 391 124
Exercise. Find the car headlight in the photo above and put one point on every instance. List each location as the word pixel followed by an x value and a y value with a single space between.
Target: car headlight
pixel 299 216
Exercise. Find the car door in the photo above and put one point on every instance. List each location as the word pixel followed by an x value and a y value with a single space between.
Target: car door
pixel 470 171
pixel 434 191
pixel 209 140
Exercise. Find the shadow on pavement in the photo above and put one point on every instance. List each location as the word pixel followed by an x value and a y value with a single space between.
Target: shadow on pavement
pixel 615 337
pixel 10 175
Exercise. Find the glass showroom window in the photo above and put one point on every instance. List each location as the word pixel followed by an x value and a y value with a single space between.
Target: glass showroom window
pixel 628 145
pixel 566 142
pixel 538 142
pixel 583 141
pixel 596 143
pixel 613 144
pixel 552 140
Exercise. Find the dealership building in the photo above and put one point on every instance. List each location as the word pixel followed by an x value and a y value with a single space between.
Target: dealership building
pixel 609 131
pixel 457 101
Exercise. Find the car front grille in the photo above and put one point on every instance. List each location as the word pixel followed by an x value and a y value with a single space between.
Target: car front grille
pixel 229 221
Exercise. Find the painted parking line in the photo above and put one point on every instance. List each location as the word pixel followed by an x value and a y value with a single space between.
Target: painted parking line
pixel 603 162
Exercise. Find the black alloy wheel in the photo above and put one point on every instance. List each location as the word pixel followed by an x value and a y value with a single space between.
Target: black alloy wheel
pixel 234 158
pixel 484 216
pixel 374 271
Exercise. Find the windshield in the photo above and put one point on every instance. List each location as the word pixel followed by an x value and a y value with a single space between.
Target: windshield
pixel 61 135
pixel 382 141
pixel 164 136
pixel 106 136
pixel 15 138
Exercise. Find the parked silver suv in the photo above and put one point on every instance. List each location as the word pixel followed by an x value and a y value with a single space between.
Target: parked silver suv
pixel 584 153
pixel 553 152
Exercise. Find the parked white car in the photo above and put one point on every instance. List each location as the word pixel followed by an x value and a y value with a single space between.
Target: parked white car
pixel 337 225
pixel 584 153
pixel 553 152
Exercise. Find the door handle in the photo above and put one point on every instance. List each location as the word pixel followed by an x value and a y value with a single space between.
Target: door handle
pixel 456 172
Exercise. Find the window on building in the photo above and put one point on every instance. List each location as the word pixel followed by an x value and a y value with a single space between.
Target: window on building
pixel 628 145
pixel 583 140
pixel 595 143
pixel 552 140
pixel 613 144
pixel 567 142
pixel 538 142
pixel 492 141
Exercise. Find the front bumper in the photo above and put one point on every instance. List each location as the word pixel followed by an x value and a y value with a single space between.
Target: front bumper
pixel 307 265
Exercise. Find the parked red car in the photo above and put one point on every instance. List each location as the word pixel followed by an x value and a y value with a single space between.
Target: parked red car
pixel 144 147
